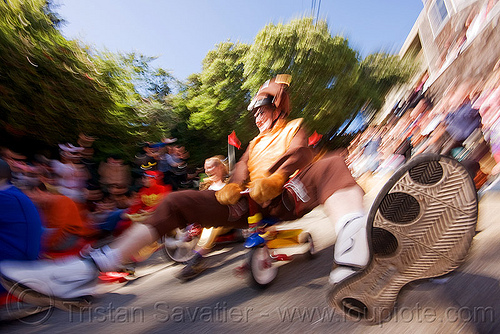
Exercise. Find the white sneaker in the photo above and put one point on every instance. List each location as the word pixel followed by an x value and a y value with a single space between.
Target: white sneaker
pixel 66 278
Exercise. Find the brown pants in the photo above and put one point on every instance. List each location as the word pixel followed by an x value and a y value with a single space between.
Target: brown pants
pixel 181 208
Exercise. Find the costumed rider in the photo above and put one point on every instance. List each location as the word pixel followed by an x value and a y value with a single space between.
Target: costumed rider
pixel 278 152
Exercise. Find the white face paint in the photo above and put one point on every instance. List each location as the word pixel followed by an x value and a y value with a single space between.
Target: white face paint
pixel 264 117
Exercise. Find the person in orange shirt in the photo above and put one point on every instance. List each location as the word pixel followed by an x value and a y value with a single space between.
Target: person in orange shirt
pixel 64 227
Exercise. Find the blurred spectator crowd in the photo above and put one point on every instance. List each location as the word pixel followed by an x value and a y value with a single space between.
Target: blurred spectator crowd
pixel 80 199
pixel 464 124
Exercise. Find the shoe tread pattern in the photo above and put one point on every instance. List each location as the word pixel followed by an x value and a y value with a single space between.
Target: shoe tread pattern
pixel 414 243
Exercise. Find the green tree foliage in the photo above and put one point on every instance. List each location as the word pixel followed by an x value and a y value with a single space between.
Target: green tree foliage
pixel 380 72
pixel 218 104
pixel 213 102
pixel 149 98
pixel 329 82
pixel 154 83
pixel 51 88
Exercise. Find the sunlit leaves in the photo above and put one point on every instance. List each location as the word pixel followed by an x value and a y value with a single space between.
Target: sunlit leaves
pixel 329 81
pixel 53 88
pixel 219 98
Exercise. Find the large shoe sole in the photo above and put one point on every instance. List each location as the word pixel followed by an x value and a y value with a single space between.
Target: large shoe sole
pixel 32 297
pixel 422 224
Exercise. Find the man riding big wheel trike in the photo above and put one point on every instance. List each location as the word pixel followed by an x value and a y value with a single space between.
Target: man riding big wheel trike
pixel 367 245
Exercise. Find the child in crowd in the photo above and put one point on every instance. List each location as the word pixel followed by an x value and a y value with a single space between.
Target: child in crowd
pixel 151 194
pixel 217 174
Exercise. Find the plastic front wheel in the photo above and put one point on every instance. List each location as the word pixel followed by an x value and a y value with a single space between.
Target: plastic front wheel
pixel 177 248
pixel 262 268
pixel 312 250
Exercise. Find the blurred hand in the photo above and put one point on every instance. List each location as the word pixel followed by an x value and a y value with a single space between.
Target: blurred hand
pixel 229 195
pixel 265 189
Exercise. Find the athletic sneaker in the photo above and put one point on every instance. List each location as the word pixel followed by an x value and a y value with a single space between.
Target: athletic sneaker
pixel 420 226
